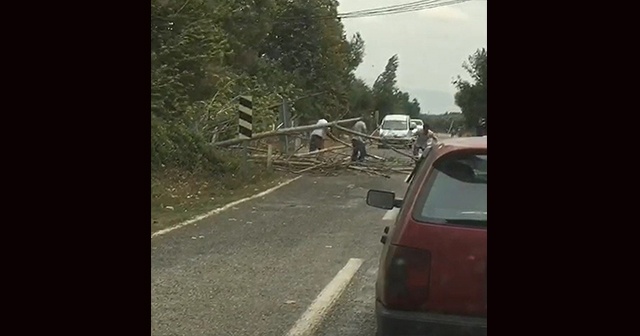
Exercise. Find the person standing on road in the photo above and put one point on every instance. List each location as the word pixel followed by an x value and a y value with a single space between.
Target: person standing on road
pixel 425 137
pixel 316 142
pixel 359 149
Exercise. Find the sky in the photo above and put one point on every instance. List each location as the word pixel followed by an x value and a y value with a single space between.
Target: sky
pixel 431 45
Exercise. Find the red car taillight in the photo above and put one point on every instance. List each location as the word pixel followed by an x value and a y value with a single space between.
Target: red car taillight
pixel 406 280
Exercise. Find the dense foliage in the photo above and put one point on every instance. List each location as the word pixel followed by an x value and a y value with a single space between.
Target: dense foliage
pixel 205 53
pixel 472 95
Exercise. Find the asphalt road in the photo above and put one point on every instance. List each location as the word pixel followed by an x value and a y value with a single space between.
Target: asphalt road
pixel 255 269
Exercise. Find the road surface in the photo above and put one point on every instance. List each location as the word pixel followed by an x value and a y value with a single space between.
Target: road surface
pixel 259 267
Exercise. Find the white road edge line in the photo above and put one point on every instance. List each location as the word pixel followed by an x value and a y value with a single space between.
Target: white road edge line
pixel 310 320
pixel 223 208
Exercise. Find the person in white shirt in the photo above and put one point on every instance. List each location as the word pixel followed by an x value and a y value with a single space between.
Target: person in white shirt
pixel 425 137
pixel 359 149
pixel 317 137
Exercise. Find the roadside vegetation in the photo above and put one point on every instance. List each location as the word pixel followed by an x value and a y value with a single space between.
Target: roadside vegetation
pixel 205 53
pixel 472 94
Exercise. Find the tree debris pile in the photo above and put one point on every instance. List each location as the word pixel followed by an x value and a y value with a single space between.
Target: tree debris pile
pixel 333 160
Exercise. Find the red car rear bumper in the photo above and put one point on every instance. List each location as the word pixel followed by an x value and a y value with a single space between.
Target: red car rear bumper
pixel 396 323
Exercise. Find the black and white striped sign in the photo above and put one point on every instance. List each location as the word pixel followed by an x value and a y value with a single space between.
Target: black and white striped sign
pixel 245 117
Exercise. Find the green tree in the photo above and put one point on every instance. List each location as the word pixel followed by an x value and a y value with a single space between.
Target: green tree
pixel 406 105
pixel 388 98
pixel 205 53
pixel 356 51
pixel 384 88
pixel 472 95
pixel 361 100
pixel 308 41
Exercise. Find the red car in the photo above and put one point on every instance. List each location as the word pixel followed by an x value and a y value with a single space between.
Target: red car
pixel 432 278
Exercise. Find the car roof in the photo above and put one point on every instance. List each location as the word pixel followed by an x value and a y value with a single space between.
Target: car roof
pixel 396 116
pixel 449 145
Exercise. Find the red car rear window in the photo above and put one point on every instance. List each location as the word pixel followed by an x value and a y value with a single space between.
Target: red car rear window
pixel 455 192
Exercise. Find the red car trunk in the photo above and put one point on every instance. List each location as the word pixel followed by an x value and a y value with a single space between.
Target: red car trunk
pixel 458 267
pixel 446 264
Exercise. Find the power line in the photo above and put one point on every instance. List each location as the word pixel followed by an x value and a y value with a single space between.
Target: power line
pixel 388 8
pixel 392 7
pixel 404 8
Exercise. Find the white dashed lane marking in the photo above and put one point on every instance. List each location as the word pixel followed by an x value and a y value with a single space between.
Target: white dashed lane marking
pixel 311 319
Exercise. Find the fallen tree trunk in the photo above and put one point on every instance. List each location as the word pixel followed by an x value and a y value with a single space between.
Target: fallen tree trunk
pixel 332 165
pixel 284 131
pixel 309 168
pixel 328 161
pixel 319 151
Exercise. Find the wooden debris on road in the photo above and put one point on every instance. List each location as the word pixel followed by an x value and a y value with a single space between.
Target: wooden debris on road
pixel 332 160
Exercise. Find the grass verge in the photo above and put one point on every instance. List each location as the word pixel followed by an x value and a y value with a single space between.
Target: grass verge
pixel 177 196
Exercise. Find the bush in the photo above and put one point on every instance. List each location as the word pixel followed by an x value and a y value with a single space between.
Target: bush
pixel 174 146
